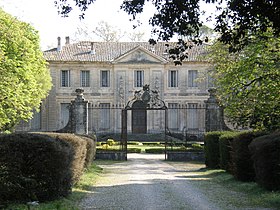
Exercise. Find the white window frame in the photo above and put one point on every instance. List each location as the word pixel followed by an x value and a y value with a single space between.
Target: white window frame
pixel 85 78
pixel 192 77
pixel 64 114
pixel 65 78
pixel 105 82
pixel 138 78
pixel 173 78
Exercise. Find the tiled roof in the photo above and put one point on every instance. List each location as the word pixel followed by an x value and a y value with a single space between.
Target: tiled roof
pixel 109 51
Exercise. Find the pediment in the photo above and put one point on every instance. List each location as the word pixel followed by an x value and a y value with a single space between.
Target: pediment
pixel 139 55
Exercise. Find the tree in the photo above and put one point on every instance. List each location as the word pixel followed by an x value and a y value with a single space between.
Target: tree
pixel 136 36
pixel 237 22
pixel 25 79
pixel 108 33
pixel 248 81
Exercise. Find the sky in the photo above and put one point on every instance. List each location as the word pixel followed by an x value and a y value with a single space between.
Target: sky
pixel 43 16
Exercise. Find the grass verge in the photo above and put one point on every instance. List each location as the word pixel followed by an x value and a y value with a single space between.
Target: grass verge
pixel 237 194
pixel 88 179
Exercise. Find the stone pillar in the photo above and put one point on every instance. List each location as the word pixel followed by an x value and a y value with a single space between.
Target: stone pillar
pixel 214 113
pixel 80 113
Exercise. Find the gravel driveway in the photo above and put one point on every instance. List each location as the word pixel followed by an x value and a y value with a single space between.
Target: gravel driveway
pixel 146 182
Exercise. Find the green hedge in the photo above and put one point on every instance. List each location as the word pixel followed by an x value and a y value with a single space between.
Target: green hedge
pixel 265 152
pixel 242 164
pixel 155 150
pixel 80 152
pixel 129 150
pixel 91 149
pixel 133 150
pixel 211 149
pixel 34 167
pixel 225 149
pixel 41 166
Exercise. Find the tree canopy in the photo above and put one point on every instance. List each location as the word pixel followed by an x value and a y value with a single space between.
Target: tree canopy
pixel 25 78
pixel 248 81
pixel 236 22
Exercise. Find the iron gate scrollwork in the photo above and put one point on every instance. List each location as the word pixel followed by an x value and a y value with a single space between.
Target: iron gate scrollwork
pixel 144 100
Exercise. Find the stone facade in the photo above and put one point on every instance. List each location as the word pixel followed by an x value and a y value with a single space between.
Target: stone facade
pixel 110 73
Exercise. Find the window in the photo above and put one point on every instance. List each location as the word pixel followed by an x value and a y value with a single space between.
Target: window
pixel 173 78
pixel 65 78
pixel 105 78
pixel 173 116
pixel 84 78
pixel 138 78
pixel 104 116
pixel 192 77
pixel 64 114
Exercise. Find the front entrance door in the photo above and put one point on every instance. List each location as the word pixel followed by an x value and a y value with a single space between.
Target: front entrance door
pixel 139 117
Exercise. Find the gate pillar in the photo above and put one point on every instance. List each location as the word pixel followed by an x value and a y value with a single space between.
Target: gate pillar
pixel 78 115
pixel 214 113
pixel 80 111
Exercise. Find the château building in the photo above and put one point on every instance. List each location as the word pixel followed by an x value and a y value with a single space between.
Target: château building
pixel 111 72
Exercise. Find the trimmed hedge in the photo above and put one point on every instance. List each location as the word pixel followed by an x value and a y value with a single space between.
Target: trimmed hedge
pixel 80 152
pixel 242 164
pixel 34 167
pixel 133 150
pixel 265 152
pixel 155 150
pixel 225 149
pixel 91 149
pixel 129 150
pixel 211 149
pixel 41 166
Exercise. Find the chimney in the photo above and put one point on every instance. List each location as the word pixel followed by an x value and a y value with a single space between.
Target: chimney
pixel 58 43
pixel 92 50
pixel 67 40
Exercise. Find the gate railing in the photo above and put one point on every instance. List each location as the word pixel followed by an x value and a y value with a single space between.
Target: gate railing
pixel 188 120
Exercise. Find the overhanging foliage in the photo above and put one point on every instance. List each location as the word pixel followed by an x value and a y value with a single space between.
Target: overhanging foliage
pixel 25 79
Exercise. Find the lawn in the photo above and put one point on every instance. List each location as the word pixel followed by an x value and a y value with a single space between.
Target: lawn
pixel 220 185
pixel 142 146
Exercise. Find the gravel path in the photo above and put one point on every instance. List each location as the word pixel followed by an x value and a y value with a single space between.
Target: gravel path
pixel 146 182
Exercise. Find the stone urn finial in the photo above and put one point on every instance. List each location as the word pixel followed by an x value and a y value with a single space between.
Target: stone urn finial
pixel 80 95
pixel 79 91
pixel 212 92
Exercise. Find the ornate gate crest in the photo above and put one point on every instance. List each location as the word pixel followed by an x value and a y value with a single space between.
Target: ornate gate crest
pixel 150 98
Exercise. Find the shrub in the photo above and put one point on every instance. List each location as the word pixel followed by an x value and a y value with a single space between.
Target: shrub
pixel 242 164
pixel 155 150
pixel 211 149
pixel 80 151
pixel 91 149
pixel 153 143
pixel 265 152
pixel 110 142
pixel 133 150
pixel 197 147
pixel 105 147
pixel 225 149
pixel 34 167
pixel 133 143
